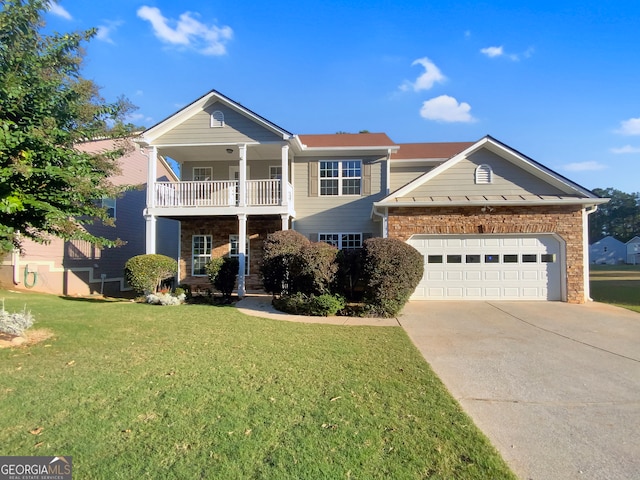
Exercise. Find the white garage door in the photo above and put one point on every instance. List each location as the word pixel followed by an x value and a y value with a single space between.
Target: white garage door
pixel 487 267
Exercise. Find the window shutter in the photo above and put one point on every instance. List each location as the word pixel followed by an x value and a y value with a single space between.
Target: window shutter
pixel 366 179
pixel 313 179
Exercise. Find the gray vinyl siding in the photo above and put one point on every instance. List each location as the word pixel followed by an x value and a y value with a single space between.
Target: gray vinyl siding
pixel 258 170
pixel 237 129
pixel 400 176
pixel 508 179
pixel 335 214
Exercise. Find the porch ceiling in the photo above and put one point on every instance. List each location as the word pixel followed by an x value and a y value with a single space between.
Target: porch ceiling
pixel 212 153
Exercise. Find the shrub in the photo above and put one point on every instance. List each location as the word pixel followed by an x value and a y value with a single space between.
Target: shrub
pixel 281 260
pixel 15 323
pixel 318 268
pixel 348 280
pixel 301 304
pixel 392 270
pixel 212 268
pixel 165 299
pixel 146 272
pixel 225 280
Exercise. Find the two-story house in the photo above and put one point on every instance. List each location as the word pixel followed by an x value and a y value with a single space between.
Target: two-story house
pixel 490 222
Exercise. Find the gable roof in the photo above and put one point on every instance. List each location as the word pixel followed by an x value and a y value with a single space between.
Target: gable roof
pixel 435 150
pixel 162 127
pixel 572 193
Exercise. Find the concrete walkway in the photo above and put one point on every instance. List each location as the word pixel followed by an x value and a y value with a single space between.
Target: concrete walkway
pixel 555 387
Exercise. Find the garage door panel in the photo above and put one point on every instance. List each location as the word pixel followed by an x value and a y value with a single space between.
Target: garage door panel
pixel 490 267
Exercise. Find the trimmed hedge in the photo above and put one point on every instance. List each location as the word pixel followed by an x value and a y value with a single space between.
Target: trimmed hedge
pixel 318 269
pixel 319 306
pixel 281 261
pixel 392 271
pixel 145 272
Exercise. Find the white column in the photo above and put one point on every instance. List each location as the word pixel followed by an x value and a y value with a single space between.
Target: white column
pixel 242 176
pixel 585 251
pixel 284 181
pixel 285 221
pixel 242 251
pixel 150 242
pixel 152 175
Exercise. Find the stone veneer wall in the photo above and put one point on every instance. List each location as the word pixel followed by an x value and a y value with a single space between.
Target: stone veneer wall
pixel 565 221
pixel 220 228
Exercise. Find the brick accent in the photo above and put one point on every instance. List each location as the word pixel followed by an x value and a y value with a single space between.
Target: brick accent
pixel 565 221
pixel 220 228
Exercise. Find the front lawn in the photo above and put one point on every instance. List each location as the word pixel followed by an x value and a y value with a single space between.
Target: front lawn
pixel 195 391
pixel 617 284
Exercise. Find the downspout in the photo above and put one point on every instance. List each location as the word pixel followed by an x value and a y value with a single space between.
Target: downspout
pixel 385 222
pixel 585 249
pixel 15 261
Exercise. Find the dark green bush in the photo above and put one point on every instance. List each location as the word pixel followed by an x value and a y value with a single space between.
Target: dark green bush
pixel 281 260
pixel 146 272
pixel 300 304
pixel 318 269
pixel 392 271
pixel 348 280
pixel 225 280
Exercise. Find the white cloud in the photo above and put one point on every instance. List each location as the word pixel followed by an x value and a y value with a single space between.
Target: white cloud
pixel 626 149
pixel 630 127
pixel 188 31
pixel 428 79
pixel 59 11
pixel 104 31
pixel 492 52
pixel 446 109
pixel 584 166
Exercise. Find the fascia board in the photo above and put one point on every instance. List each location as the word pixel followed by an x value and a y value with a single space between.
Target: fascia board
pixel 505 203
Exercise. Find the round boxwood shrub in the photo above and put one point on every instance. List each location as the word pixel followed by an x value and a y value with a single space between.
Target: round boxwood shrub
pixel 145 272
pixel 318 306
pixel 392 271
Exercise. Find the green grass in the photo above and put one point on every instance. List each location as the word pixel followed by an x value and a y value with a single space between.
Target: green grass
pixel 616 284
pixel 139 391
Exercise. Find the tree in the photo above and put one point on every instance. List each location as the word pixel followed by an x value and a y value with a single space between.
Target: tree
pixel 620 217
pixel 47 187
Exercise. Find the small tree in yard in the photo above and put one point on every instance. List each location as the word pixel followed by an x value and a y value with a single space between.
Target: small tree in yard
pixel 392 271
pixel 145 273
pixel 222 273
pixel 280 262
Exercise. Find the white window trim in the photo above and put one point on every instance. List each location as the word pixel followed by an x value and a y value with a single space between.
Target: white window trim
pixel 484 174
pixel 208 246
pixel 340 234
pixel 340 177
pixel 216 119
pixel 246 255
pixel 208 176
pixel 271 169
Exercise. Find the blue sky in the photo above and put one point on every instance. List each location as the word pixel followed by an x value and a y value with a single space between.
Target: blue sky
pixel 557 80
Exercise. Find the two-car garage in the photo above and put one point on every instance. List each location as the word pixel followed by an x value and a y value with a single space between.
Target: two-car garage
pixel 490 267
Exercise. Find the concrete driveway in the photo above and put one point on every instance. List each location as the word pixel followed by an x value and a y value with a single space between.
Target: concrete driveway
pixel 555 387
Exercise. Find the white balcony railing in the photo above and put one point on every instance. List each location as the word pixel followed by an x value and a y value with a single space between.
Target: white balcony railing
pixel 219 193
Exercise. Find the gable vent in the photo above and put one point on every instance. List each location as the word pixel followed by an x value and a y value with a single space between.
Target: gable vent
pixel 217 119
pixel 484 174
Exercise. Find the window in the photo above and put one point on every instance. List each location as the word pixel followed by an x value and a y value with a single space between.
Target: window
pixel 342 241
pixel 510 258
pixel 340 177
pixel 492 259
pixel 202 174
pixel 201 254
pixel 109 204
pixel 548 258
pixel 217 119
pixel 473 259
pixel 234 243
pixel 434 258
pixel 484 174
pixel 275 173
pixel 529 258
pixel 454 258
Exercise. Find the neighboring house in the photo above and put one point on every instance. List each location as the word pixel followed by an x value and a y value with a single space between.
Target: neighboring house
pixel 490 222
pixel 79 268
pixel 607 251
pixel 633 251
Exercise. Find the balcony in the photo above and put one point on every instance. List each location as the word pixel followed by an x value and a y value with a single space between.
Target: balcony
pixel 221 197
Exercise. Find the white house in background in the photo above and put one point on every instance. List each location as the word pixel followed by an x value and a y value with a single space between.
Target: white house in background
pixel 633 250
pixel 607 251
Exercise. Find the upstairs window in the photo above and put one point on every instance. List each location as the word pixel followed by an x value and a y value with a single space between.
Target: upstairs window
pixel 484 174
pixel 217 119
pixel 340 177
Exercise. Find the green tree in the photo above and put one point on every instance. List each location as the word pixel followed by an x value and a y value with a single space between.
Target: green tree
pixel 47 187
pixel 620 217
